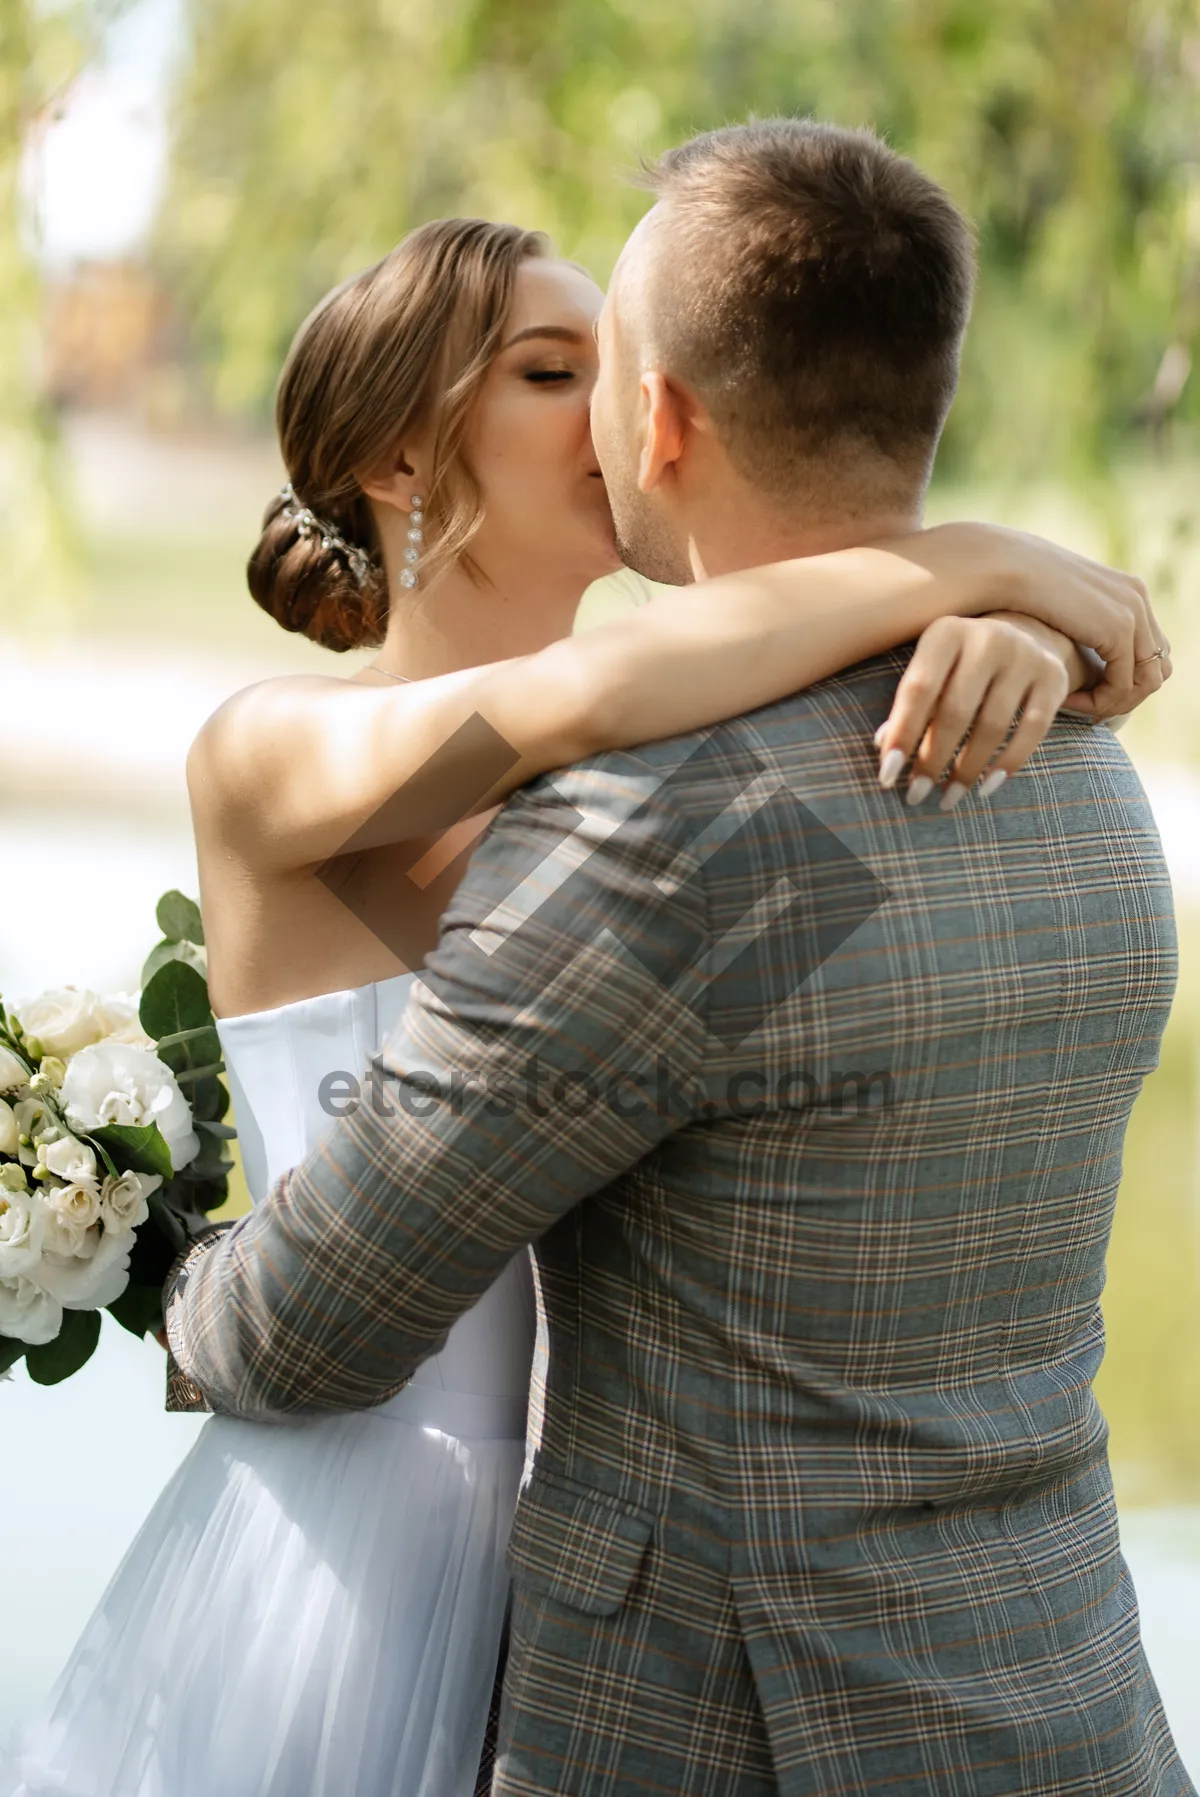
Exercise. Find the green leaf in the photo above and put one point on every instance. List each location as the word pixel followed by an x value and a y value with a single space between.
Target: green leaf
pixel 209 1101
pixel 139 1309
pixel 209 1071
pixel 110 1166
pixel 199 1058
pixel 210 1196
pixel 71 1348
pixel 163 952
pixel 155 1245
pixel 182 1036
pixel 10 1352
pixel 179 918
pixel 136 1145
pixel 210 1163
pixel 175 999
pixel 225 1131
pixel 167 1222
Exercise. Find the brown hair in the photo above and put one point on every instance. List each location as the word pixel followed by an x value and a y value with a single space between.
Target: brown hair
pixel 819 290
pixel 399 346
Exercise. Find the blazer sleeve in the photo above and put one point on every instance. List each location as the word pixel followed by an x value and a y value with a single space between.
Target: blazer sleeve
pixel 551 1043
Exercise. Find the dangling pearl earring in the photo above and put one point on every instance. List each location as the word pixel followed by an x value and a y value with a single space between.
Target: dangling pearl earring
pixel 416 537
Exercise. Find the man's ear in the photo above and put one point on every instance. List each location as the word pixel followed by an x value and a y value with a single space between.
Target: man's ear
pixel 392 481
pixel 667 419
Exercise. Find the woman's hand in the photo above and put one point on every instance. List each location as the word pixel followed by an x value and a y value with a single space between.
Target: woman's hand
pixel 295 771
pixel 1102 608
pixel 977 697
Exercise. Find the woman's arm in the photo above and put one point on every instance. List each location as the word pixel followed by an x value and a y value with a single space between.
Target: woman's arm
pixel 287 773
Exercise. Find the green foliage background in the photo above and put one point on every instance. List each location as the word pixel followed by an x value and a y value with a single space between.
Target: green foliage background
pixel 41 52
pixel 310 138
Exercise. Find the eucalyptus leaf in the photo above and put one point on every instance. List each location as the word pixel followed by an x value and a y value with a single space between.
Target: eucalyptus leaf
pixel 211 1166
pixel 185 1075
pixel 167 1221
pixel 162 952
pixel 211 1161
pixel 194 1056
pixel 139 1309
pixel 209 1101
pixel 137 1145
pixel 175 999
pixel 210 1196
pixel 179 919
pixel 182 1036
pixel 156 1244
pixel 225 1131
pixel 10 1352
pixel 71 1348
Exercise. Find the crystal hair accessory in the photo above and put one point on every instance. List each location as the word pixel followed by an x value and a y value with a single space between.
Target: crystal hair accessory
pixel 415 543
pixel 309 525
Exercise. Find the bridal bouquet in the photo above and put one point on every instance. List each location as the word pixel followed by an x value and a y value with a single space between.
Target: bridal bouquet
pixel 112 1150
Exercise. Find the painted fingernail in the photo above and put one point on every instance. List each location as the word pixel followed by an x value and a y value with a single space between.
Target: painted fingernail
pixel 953 795
pixel 889 767
pixel 878 737
pixel 919 789
pixel 994 781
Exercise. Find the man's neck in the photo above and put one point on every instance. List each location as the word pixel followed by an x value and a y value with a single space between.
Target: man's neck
pixel 729 539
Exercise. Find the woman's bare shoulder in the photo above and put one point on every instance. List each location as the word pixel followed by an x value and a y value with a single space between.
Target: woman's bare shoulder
pixel 256 711
pixel 257 726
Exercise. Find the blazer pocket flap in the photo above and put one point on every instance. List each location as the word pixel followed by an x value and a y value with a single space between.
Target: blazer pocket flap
pixel 579 1546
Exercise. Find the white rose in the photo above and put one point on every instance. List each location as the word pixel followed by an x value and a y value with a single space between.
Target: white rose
pixel 14 1076
pixel 63 1020
pixel 36 1121
pixel 28 1313
pixel 123 1201
pixel 9 1129
pixel 65 1235
pixel 22 1234
pixel 117 1015
pixel 68 1159
pixel 114 1083
pixel 78 1201
pixel 90 1280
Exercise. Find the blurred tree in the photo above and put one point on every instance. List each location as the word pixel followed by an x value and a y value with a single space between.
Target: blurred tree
pixel 42 50
pixel 310 139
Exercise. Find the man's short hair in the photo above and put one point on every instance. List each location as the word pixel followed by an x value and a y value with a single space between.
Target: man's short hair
pixel 815 288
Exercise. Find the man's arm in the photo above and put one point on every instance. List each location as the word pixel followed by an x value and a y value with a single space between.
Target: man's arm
pixel 525 1075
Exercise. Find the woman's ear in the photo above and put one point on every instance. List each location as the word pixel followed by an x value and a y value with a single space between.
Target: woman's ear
pixel 666 416
pixel 392 481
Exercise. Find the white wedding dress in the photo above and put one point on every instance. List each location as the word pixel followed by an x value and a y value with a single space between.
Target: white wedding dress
pixel 312 1608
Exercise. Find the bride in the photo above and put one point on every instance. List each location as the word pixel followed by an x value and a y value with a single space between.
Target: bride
pixel 317 1606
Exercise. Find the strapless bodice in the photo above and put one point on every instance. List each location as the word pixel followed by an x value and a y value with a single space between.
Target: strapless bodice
pixel 279 1066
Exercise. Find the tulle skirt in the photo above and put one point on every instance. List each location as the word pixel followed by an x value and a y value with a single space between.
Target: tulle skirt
pixel 312 1609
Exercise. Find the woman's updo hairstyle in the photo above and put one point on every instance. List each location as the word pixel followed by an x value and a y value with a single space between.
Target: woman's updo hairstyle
pixel 398 349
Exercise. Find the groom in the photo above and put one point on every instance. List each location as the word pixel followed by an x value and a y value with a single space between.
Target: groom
pixel 812 1105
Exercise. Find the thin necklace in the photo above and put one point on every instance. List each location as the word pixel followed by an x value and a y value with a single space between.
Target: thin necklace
pixel 406 678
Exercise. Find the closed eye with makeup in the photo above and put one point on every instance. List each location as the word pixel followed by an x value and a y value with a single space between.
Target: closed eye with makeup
pixel 530 441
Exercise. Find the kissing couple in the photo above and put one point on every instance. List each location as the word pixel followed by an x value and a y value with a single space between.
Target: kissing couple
pixel 808 1202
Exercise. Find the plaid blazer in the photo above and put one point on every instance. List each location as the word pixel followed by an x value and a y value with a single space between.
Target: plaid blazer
pixel 813 1106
